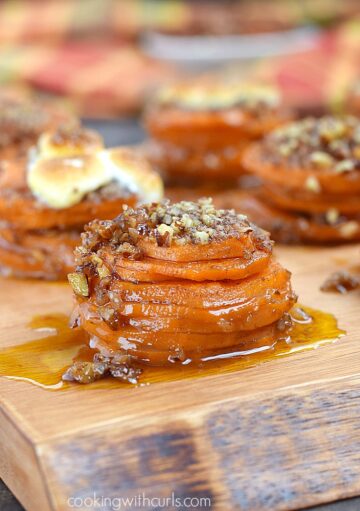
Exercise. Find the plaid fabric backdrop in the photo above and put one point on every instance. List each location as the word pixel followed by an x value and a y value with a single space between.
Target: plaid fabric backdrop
pixel 319 78
pixel 86 50
pixel 29 20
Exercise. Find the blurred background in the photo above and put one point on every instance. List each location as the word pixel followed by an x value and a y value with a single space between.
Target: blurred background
pixel 103 57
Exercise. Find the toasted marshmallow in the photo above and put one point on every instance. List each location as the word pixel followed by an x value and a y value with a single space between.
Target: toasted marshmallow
pixel 69 141
pixel 133 172
pixel 63 182
pixel 218 95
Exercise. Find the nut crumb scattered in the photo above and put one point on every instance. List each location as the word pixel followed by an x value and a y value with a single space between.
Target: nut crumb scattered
pixel 118 367
pixel 341 282
pixel 329 143
pixel 165 224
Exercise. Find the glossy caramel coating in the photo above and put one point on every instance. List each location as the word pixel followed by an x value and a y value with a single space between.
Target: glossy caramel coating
pixel 169 282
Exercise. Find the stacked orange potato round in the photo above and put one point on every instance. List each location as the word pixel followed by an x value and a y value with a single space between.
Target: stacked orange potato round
pixel 199 130
pixel 310 173
pixel 64 182
pixel 179 282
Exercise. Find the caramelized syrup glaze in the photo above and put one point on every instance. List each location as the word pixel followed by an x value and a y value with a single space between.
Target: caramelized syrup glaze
pixel 43 361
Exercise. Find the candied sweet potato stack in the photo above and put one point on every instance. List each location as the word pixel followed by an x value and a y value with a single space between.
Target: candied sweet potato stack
pixel 310 173
pixel 65 182
pixel 168 283
pixel 199 130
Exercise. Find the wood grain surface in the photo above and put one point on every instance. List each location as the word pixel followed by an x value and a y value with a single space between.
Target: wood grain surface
pixel 280 436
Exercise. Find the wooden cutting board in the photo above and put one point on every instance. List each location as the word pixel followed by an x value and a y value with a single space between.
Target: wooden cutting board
pixel 280 436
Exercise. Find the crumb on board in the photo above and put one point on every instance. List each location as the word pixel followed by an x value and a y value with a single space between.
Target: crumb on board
pixel 341 282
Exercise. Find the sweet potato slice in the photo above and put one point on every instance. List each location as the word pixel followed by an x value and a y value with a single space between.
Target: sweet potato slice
pixel 288 226
pixel 210 129
pixel 256 161
pixel 210 295
pixel 216 269
pixel 303 201
pixel 230 247
pixel 21 210
pixel 253 314
pixel 47 255
pixel 238 346
pixel 134 342
pixel 197 165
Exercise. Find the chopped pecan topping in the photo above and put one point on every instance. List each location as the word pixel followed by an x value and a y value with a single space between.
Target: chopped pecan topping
pixel 79 283
pixel 164 223
pixel 118 366
pixel 327 143
pixel 341 282
pixel 251 97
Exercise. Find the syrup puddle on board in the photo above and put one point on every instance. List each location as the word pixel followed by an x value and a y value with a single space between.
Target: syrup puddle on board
pixel 44 361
